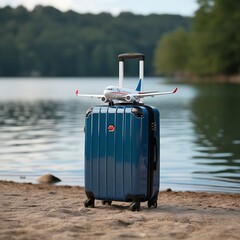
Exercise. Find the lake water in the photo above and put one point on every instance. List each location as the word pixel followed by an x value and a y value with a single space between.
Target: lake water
pixel 42 131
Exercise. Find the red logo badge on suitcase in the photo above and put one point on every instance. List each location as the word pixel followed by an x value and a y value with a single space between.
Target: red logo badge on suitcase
pixel 111 128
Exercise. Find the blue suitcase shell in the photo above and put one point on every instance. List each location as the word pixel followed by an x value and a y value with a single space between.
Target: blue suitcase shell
pixel 122 154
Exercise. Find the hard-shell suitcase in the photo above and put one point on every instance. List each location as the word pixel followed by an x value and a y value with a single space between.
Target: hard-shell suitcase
pixel 122 154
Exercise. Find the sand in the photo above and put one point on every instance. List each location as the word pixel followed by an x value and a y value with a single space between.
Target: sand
pixel 34 211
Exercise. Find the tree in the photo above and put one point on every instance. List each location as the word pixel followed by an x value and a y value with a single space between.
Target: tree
pixel 48 42
pixel 9 57
pixel 171 54
pixel 215 38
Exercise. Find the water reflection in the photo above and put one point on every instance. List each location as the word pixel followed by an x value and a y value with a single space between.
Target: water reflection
pixel 41 135
pixel 44 132
pixel 26 113
pixel 216 117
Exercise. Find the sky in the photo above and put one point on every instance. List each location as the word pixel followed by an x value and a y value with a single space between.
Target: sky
pixel 182 7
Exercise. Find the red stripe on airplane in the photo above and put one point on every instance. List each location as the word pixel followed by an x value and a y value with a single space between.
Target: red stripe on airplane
pixel 120 92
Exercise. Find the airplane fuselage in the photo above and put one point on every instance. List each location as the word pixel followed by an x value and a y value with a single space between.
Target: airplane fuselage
pixel 113 92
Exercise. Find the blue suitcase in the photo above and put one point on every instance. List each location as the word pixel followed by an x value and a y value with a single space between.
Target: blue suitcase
pixel 122 150
pixel 122 154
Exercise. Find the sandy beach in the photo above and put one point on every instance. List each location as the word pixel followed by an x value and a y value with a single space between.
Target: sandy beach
pixel 36 211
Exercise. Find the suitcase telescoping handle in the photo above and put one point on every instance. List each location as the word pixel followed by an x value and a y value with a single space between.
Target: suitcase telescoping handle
pixel 124 56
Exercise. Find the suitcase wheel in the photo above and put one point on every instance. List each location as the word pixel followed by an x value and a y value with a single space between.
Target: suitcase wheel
pixel 89 203
pixel 106 202
pixel 152 204
pixel 135 206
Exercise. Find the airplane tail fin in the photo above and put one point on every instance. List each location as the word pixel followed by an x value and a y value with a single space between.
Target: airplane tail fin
pixel 138 87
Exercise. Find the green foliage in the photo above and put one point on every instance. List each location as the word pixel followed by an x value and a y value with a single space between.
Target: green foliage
pixel 171 55
pixel 216 38
pixel 48 42
pixel 213 46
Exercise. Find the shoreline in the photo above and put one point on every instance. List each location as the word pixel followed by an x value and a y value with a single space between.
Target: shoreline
pixel 192 79
pixel 36 211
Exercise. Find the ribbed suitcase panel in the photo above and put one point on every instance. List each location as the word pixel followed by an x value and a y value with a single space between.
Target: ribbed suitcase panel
pixel 116 162
pixel 119 154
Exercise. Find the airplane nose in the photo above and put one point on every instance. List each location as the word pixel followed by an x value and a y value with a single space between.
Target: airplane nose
pixel 106 93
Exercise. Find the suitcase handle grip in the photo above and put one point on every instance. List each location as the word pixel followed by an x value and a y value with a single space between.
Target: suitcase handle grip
pixel 124 56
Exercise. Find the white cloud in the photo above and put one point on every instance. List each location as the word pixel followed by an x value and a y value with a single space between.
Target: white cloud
pixel 96 6
pixel 185 7
pixel 30 4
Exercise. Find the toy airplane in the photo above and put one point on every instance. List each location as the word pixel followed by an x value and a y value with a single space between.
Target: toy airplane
pixel 111 93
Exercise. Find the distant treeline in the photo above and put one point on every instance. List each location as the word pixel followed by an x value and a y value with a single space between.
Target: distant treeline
pixel 48 42
pixel 210 48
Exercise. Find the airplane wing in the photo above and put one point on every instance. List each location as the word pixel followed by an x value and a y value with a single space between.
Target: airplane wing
pixel 88 95
pixel 152 94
